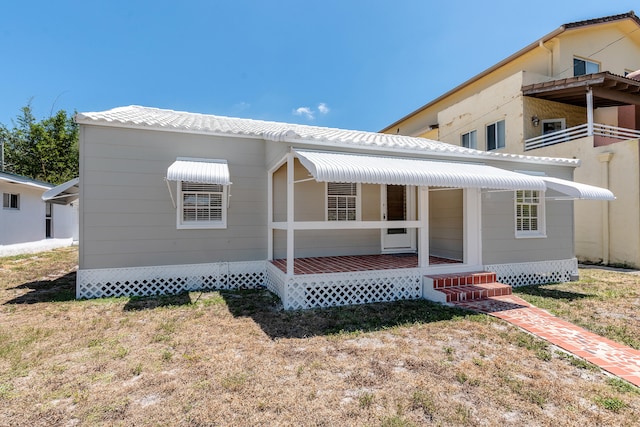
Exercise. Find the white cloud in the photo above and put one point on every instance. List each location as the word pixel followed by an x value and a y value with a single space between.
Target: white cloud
pixel 304 111
pixel 322 107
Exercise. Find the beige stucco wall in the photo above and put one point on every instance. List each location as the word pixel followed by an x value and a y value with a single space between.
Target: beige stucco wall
pixel 624 212
pixel 501 101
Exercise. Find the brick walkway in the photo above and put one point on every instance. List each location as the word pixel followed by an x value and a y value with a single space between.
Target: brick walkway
pixel 615 358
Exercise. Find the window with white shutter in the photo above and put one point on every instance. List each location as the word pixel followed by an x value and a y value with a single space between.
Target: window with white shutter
pixel 342 201
pixel 530 214
pixel 202 205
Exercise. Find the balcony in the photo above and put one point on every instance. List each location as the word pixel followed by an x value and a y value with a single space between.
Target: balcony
pixel 598 130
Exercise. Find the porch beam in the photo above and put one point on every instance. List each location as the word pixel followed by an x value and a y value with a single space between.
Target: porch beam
pixel 346 225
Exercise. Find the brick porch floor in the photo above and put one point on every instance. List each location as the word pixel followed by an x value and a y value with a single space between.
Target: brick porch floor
pixel 342 264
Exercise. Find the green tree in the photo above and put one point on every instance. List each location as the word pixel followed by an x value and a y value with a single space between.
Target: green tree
pixel 46 150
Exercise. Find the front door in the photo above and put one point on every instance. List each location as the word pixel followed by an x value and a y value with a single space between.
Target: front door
pixel 398 204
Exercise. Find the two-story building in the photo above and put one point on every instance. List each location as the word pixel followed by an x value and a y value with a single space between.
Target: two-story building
pixel 571 93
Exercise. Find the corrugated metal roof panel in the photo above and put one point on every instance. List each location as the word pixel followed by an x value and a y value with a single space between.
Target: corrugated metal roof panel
pixel 138 117
pixel 202 171
pixel 340 167
pixel 577 190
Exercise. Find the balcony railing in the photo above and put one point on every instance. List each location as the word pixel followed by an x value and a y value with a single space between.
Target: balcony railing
pixel 578 132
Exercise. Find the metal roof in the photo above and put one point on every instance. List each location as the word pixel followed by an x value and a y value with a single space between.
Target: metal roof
pixel 201 171
pixel 137 117
pixel 576 190
pixel 12 178
pixel 341 167
pixel 64 193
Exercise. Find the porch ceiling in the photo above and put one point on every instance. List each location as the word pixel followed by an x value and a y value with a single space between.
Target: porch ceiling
pixel 342 167
pixel 609 90
pixel 64 193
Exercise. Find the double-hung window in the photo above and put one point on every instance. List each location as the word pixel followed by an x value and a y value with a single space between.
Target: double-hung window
pixel 529 207
pixel 495 136
pixel 202 205
pixel 342 201
pixel 583 66
pixel 10 201
pixel 469 140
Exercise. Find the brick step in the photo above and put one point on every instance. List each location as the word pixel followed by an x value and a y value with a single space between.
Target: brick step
pixel 462 279
pixel 474 292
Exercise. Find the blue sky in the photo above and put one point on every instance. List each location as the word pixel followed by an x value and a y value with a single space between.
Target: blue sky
pixel 357 64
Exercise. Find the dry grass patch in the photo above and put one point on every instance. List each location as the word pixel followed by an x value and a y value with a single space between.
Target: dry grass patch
pixel 236 358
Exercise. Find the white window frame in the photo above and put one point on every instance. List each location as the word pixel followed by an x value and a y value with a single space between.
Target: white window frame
pixel 472 138
pixel 563 124
pixel 182 224
pixel 528 200
pixel 504 140
pixel 586 63
pixel 8 198
pixel 357 200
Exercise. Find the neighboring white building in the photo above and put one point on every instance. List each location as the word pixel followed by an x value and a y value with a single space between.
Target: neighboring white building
pixel 27 222
pixel 174 201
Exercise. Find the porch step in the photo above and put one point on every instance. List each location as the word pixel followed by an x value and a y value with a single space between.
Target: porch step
pixel 451 288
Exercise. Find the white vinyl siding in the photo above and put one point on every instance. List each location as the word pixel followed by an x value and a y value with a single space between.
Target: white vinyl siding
pixel 529 209
pixel 10 201
pixel 469 140
pixel 202 205
pixel 495 135
pixel 583 66
pixel 342 201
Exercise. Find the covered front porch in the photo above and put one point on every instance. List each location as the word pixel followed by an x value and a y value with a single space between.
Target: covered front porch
pixel 350 228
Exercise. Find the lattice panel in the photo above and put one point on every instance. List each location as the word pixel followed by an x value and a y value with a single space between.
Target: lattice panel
pixel 159 280
pixel 328 290
pixel 535 273
pixel 275 280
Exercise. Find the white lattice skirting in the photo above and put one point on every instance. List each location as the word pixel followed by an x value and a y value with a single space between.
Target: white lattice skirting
pixel 335 289
pixel 169 279
pixel 535 273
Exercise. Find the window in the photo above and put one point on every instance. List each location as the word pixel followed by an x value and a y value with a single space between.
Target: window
pixel 10 201
pixel 202 205
pixel 342 201
pixel 582 67
pixel 530 214
pixel 495 135
pixel 469 140
pixel 553 125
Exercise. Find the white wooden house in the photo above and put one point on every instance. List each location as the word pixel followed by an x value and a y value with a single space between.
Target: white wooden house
pixel 173 201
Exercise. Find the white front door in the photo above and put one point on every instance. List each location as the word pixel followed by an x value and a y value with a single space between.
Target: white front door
pixel 398 204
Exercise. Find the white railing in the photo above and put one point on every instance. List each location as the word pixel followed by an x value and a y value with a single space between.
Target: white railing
pixel 578 132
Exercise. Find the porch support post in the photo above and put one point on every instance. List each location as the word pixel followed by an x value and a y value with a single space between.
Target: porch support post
pixel 589 112
pixel 472 214
pixel 270 216
pixel 423 231
pixel 290 213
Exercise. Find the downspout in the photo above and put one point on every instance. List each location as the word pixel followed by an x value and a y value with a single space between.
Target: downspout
pixel 604 159
pixel 550 62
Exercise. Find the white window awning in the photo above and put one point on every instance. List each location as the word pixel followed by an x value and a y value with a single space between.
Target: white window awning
pixel 341 167
pixel 202 171
pixel 576 190
pixel 64 193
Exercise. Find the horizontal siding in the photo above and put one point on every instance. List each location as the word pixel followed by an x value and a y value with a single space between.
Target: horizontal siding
pixel 128 217
pixel 315 243
pixel 499 244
